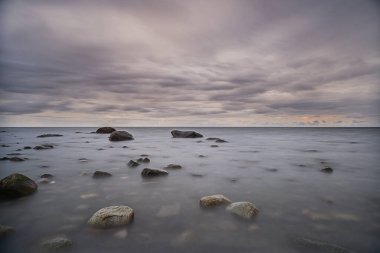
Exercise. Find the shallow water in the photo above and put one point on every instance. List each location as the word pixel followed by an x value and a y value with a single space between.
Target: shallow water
pixel 278 169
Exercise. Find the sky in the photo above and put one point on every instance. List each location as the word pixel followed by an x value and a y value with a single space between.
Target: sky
pixel 189 63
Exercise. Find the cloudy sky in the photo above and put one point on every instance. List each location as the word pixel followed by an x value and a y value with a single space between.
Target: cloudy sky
pixel 189 63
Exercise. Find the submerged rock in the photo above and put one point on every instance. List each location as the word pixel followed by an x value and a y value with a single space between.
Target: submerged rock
pixel 112 216
pixel 327 170
pixel 120 136
pixel 16 159
pixel 49 135
pixel 101 174
pixel 143 160
pixel 105 130
pixel 17 185
pixel 243 209
pixel 221 141
pixel 43 146
pixel 153 172
pixel 56 243
pixel 5 230
pixel 27 147
pixel 214 200
pixel 312 244
pixel 173 167
pixel 185 134
pixel 132 163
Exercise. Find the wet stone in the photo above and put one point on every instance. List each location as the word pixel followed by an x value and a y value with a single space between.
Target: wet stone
pixel 101 174
pixel 132 164
pixel 143 160
pixel 147 172
pixel 327 170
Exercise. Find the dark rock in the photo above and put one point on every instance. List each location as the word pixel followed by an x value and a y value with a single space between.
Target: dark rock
pixel 17 185
pixel 153 172
pixel 14 154
pixel 16 159
pixel 57 243
pixel 46 176
pixel 202 156
pixel 78 132
pixel 120 136
pixel 212 139
pixel 43 146
pixel 143 160
pixel 143 155
pixel 4 158
pixel 173 167
pixel 27 147
pixel 5 230
pixel 214 146
pixel 221 141
pixel 327 170
pixel 132 163
pixel 185 134
pixel 49 135
pixel 100 174
pixel 125 147
pixel 105 130
pixel 5 146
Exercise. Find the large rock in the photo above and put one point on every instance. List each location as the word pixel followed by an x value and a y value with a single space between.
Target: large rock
pixel 49 135
pixel 57 243
pixel 214 200
pixel 185 134
pixel 17 185
pixel 105 130
pixel 112 216
pixel 243 209
pixel 120 136
pixel 153 172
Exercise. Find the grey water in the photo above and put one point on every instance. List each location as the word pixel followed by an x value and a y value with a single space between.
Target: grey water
pixel 277 169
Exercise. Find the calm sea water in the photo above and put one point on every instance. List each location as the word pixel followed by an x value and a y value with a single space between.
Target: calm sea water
pixel 277 169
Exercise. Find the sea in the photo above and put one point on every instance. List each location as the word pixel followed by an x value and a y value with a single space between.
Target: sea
pixel 279 170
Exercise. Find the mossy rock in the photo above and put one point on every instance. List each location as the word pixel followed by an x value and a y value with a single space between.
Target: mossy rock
pixel 17 185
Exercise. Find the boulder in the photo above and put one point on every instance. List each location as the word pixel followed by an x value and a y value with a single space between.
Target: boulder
pixel 153 172
pixel 243 209
pixel 49 135
pixel 17 185
pixel 43 146
pixel 105 130
pixel 101 174
pixel 132 164
pixel 112 216
pixel 56 243
pixel 214 200
pixel 173 167
pixel 46 176
pixel 185 134
pixel 143 160
pixel 120 136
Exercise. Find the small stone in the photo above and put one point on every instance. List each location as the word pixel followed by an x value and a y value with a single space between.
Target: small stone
pixel 327 170
pixel 56 243
pixel 49 135
pixel 44 146
pixel 132 163
pixel 147 172
pixel 196 175
pixel 27 147
pixel 202 156
pixel 143 160
pixel 105 130
pixel 173 167
pixel 243 209
pixel 125 146
pixel 185 134
pixel 101 174
pixel 214 200
pixel 112 216
pixel 221 141
pixel 16 159
pixel 143 155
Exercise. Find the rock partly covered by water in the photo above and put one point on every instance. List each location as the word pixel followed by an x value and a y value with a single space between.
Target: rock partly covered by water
pixel 216 139
pixel 56 243
pixel 49 135
pixel 143 160
pixel 17 185
pixel 105 130
pixel 101 174
pixel 243 209
pixel 43 146
pixel 173 167
pixel 153 172
pixel 214 200
pixel 112 216
pixel 120 136
pixel 185 134
pixel 5 230
pixel 132 164
pixel 327 170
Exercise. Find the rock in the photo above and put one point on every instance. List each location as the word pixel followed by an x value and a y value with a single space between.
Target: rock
pixel 101 174
pixel 5 230
pixel 5 146
pixel 125 146
pixel 144 155
pixel 4 158
pixel 17 185
pixel 202 156
pixel 27 147
pixel 43 146
pixel 185 134
pixel 169 210
pixel 143 160
pixel 327 170
pixel 214 146
pixel 173 167
pixel 212 139
pixel 112 216
pixel 153 172
pixel 16 159
pixel 105 130
pixel 49 135
pixel 132 163
pixel 214 200
pixel 56 243
pixel 14 154
pixel 120 136
pixel 243 209
pixel 311 244
pixel 221 141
